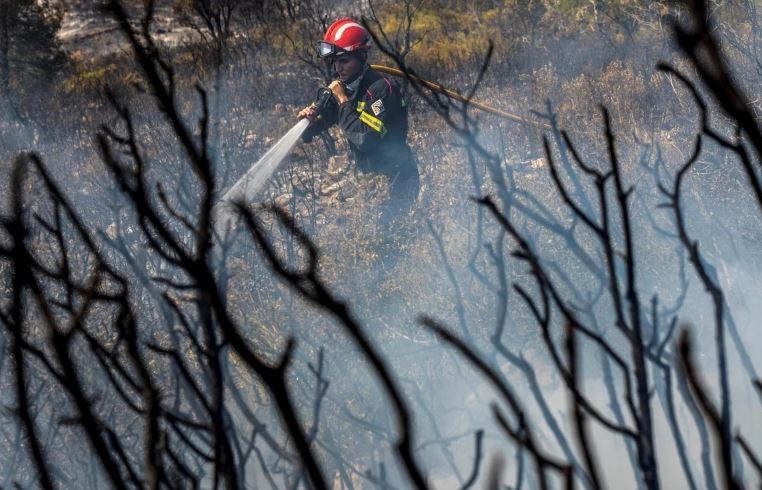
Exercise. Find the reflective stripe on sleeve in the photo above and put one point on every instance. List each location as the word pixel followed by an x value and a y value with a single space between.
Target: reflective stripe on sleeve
pixel 371 121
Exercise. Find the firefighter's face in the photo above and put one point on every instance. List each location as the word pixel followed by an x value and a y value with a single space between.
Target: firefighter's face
pixel 347 66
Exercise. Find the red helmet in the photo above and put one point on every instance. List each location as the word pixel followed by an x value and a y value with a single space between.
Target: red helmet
pixel 344 36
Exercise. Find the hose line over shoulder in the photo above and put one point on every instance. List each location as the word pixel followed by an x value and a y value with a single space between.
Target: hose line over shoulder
pixel 452 94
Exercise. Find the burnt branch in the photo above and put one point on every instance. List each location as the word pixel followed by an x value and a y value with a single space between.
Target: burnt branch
pixel 699 391
pixel 308 283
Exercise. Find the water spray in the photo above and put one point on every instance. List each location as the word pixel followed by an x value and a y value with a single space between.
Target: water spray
pixel 252 182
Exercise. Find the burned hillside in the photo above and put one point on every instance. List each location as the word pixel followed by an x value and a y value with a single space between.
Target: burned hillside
pixel 568 302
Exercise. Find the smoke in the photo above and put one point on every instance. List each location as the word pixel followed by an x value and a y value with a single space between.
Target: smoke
pixel 448 259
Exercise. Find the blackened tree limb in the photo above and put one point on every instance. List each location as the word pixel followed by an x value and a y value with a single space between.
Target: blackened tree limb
pixel 715 292
pixel 547 289
pixel 309 284
pixel 647 454
pixel 196 263
pixel 518 361
pixel 581 425
pixel 477 459
pixel 699 43
pixel 524 435
pixel 749 452
pixel 93 427
pixel 15 324
pixel 737 147
pixel 666 395
pixel 700 392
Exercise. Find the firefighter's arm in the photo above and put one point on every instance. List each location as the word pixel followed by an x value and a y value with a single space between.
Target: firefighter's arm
pixel 364 124
pixel 318 122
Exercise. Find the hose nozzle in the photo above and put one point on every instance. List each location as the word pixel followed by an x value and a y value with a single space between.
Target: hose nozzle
pixel 324 101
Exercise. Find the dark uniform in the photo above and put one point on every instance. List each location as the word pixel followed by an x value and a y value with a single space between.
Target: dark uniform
pixel 374 121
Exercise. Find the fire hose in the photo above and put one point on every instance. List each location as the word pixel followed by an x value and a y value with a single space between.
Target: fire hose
pixel 455 95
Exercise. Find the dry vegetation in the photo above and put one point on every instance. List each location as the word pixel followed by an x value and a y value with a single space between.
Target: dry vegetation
pixel 554 61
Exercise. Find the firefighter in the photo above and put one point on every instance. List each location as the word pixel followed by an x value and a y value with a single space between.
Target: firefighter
pixel 371 112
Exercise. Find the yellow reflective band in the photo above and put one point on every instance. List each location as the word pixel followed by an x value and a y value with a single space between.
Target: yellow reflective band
pixel 373 122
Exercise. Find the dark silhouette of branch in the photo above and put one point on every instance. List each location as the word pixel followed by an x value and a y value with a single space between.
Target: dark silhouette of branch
pixel 477 461
pixel 737 147
pixel 749 452
pixel 522 435
pixel 715 292
pixel 308 283
pixel 522 364
pixel 548 291
pixel 700 44
pixel 159 76
pixel 14 325
pixel 699 391
pixel 580 418
pixel 321 388
pixel 133 333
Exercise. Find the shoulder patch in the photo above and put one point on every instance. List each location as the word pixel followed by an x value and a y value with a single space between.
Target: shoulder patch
pixel 377 107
